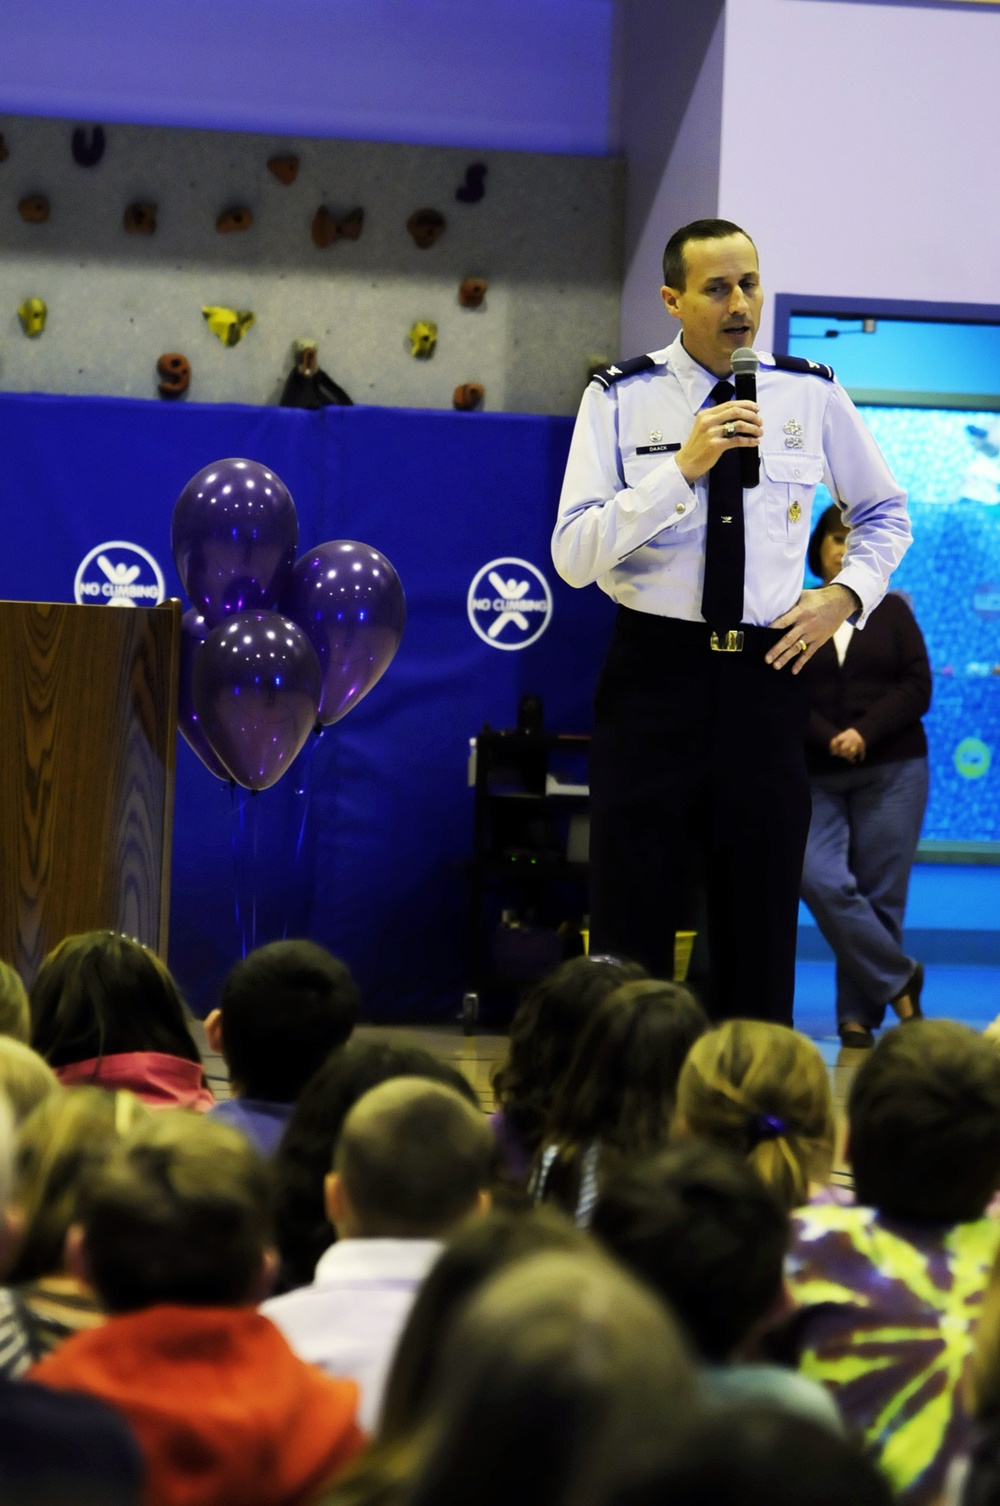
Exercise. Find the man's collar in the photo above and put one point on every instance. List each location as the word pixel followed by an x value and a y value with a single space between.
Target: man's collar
pixel 696 381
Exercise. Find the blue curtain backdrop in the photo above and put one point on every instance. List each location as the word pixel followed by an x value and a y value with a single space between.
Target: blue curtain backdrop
pixel 380 873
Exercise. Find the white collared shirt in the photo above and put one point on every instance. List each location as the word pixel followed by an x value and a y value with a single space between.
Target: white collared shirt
pixel 348 1322
pixel 629 521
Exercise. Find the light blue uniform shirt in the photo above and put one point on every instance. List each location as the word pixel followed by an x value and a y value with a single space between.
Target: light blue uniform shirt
pixel 631 523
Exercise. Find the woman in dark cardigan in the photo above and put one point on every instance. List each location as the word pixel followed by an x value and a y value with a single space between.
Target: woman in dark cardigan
pixel 867 758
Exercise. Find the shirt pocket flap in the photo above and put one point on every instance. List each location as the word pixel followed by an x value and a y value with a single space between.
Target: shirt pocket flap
pixel 807 470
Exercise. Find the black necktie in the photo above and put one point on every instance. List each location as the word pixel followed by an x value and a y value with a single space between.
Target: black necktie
pixel 725 548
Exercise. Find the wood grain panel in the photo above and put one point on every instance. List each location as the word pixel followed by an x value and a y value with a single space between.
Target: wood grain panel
pixel 88 699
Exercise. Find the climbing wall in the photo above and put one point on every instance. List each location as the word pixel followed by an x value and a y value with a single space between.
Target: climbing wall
pixel 126 235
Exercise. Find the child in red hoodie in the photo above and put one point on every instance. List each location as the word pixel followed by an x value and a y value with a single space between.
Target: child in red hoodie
pixel 174 1238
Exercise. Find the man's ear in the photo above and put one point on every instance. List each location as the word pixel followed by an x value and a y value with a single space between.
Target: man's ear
pixel 213 1031
pixel 267 1275
pixel 670 297
pixel 75 1256
pixel 336 1203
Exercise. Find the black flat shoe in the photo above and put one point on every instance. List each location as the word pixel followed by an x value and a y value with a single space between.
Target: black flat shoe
pixel 914 988
pixel 855 1037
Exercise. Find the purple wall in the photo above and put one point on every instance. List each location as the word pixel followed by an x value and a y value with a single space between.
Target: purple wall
pixel 530 75
pixel 859 147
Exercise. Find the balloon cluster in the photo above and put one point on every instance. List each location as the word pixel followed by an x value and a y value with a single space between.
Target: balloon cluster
pixel 272 647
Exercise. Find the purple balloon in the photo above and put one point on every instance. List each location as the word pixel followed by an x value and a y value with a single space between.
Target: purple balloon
pixel 194 631
pixel 234 535
pixel 349 601
pixel 256 689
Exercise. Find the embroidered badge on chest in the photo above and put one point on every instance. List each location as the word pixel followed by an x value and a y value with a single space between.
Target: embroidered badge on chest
pixel 793 435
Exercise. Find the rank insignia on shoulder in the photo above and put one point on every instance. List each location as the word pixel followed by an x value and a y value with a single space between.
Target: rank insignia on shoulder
pixel 612 374
pixel 807 368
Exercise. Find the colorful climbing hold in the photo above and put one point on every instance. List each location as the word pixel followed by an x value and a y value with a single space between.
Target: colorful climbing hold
pixel 285 169
pixel 229 324
pixel 328 227
pixel 473 189
pixel 472 292
pixel 88 150
pixel 426 226
pixel 140 219
pixel 175 374
pixel 32 313
pixel 468 397
pixel 235 219
pixel 34 209
pixel 423 339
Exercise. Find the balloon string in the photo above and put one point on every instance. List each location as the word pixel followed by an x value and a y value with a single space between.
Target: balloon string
pixel 303 792
pixel 254 827
pixel 235 811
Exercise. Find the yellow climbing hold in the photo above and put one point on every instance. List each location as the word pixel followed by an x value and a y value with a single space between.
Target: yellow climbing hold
pixel 423 338
pixel 32 314
pixel 229 324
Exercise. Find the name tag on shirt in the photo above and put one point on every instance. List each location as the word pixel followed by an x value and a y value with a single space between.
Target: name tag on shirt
pixel 656 449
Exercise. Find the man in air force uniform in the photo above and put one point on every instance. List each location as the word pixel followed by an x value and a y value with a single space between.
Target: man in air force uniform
pixel 697 757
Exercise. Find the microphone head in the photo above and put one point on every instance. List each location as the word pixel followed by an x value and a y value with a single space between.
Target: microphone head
pixel 745 361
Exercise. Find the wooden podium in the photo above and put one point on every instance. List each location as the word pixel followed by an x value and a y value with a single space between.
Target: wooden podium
pixel 88 732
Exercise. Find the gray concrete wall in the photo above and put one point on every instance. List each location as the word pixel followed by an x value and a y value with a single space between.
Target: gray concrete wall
pixel 547 237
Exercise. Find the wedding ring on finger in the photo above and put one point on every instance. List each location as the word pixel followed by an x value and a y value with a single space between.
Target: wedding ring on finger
pixel 729 429
pixel 802 645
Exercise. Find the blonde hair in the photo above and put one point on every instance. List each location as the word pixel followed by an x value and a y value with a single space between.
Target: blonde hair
pixel 25 1077
pixel 15 1012
pixel 763 1091
pixel 60 1147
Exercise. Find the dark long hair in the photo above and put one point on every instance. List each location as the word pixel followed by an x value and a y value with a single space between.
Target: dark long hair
pixel 481 1247
pixel 620 1088
pixel 544 1033
pixel 305 1154
pixel 102 994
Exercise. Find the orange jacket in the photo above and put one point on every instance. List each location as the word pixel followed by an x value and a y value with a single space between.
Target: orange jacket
pixel 225 1413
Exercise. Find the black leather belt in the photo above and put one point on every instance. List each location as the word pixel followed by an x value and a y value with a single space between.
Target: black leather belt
pixel 696 638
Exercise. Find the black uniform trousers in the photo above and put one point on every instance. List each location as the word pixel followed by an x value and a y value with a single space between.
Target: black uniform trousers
pixel 697 761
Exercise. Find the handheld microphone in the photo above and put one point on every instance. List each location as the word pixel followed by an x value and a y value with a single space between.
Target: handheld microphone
pixel 745 363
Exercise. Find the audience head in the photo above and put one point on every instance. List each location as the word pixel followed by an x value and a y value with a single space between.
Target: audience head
pixel 179 1213
pixel 761 1090
pixel 103 994
pixel 25 1077
pixel 704 1232
pixel 61 1146
pixel 414 1158
pixel 544 1033
pixel 621 1084
pixel 924 1124
pixel 309 1143
pixel 15 1014
pixel 478 1250
pixel 561 1381
pixel 758 1456
pixel 824 559
pixel 283 1009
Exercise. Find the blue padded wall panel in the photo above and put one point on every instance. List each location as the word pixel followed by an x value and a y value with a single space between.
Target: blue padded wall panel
pixel 379 874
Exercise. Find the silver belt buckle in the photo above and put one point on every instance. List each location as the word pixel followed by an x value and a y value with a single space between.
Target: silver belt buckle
pixel 732 644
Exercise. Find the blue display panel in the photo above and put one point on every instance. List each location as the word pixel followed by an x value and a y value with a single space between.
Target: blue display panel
pixel 949 463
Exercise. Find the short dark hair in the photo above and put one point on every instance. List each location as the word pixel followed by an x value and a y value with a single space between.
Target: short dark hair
pixel 308 1145
pixel 924 1118
pixel 674 268
pixel 829 519
pixel 544 1033
pixel 702 1229
pixel 759 1455
pixel 413 1156
pixel 102 994
pixel 283 1009
pixel 179 1213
